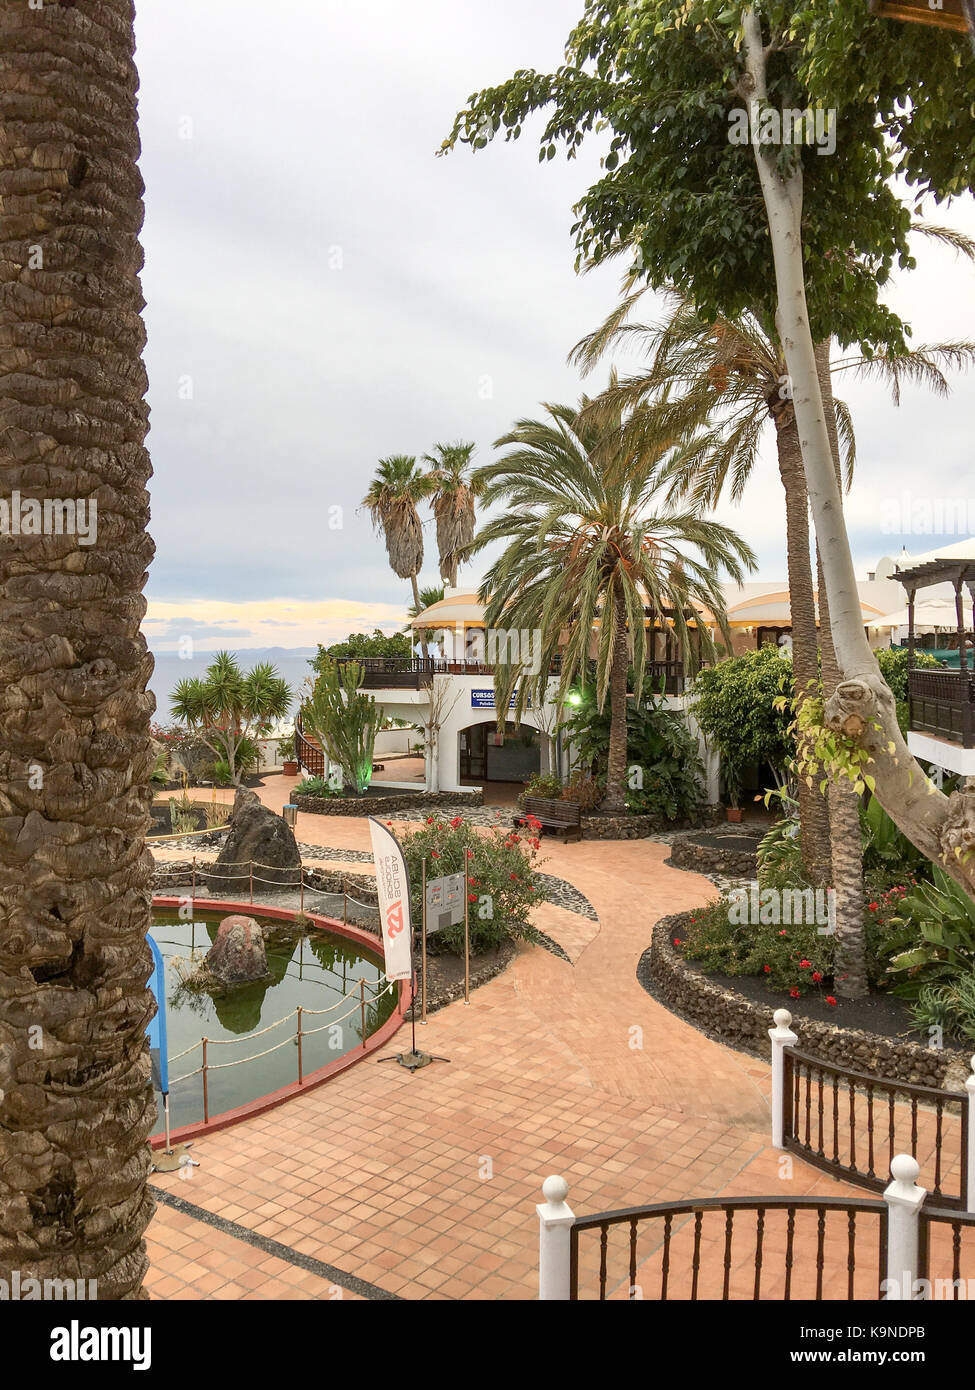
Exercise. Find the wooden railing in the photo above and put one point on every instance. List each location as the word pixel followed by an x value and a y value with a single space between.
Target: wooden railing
pixel 308 754
pixel 416 672
pixel 851 1124
pixel 946 1252
pixel 942 703
pixel 711 1248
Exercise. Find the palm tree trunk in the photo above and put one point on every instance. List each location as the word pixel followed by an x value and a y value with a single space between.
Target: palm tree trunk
pixel 615 798
pixel 419 609
pixel 813 810
pixel 76 1105
pixel 850 967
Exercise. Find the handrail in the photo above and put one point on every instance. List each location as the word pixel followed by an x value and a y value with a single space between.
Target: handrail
pixel 689 1206
pixel 877 1082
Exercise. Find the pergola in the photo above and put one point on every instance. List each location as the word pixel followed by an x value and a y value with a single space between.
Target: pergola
pixel 942 703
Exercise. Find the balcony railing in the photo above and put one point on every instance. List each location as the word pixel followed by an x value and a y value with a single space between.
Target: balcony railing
pixel 942 703
pixel 416 672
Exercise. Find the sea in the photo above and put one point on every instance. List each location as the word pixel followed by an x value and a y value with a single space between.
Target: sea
pixel 291 663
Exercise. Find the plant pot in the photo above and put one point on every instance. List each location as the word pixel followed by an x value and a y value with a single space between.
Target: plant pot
pixel 290 767
pixel 734 814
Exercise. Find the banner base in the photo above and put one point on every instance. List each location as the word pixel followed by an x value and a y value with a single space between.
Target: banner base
pixel 413 1060
pixel 168 1160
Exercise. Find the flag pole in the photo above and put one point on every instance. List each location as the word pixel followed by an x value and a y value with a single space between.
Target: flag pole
pixel 467 940
pixel 423 920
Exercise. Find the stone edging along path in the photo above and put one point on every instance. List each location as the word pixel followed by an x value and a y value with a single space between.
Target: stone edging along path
pixel 731 1018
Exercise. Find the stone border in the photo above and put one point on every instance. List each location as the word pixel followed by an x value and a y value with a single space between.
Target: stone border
pixel 686 853
pixel 730 1018
pixel 634 827
pixel 399 800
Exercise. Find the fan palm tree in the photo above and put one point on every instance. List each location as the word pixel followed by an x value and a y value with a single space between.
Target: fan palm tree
pixel 392 501
pixel 452 500
pixel 76 1105
pixel 590 551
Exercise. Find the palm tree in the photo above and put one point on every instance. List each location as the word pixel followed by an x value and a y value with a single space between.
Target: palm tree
pixel 452 501
pixel 392 500
pixel 590 549
pixel 76 1105
pixel 732 369
pixel 227 708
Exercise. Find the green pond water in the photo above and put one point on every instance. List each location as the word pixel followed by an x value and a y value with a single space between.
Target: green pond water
pixel 314 970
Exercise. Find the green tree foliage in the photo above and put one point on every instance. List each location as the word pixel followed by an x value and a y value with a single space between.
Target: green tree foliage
pixel 228 709
pixel 344 720
pixel 360 644
pixel 735 703
pixel 681 198
pixel 893 667
pixel 664 774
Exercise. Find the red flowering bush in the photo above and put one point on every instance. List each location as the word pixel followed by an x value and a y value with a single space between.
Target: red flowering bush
pixel 502 878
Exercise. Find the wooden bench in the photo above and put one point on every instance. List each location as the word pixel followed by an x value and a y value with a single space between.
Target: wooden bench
pixel 557 816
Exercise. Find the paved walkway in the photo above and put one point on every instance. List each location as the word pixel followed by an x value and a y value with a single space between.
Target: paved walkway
pixel 424 1185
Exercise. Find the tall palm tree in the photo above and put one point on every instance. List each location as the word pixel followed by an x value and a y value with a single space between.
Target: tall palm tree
pixel 392 500
pixel 76 1105
pixel 732 371
pixel 452 500
pixel 590 548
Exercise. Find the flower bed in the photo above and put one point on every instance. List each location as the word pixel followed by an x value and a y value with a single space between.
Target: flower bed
pixel 731 1017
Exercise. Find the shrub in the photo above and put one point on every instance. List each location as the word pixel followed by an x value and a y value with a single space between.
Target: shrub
pixel 584 789
pixel 950 1007
pixel 542 784
pixel 315 786
pixel 503 885
pixel 738 705
pixel 934 939
pixel 893 667
pixel 796 956
pixel 664 777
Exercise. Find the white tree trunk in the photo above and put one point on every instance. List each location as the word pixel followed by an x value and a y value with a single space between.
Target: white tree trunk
pixel 862 707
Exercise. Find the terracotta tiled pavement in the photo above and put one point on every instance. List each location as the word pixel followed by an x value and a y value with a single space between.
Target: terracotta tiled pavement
pixel 424 1185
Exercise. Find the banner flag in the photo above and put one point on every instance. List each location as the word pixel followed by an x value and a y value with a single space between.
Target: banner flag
pixel 157 1028
pixel 393 888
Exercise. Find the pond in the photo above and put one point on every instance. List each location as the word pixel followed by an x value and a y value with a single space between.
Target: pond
pixel 314 969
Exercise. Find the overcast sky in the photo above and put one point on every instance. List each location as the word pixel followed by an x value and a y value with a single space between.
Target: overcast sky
pixel 323 291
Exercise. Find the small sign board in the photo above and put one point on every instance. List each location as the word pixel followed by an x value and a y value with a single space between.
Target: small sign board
pixel 484 699
pixel 445 902
pixel 945 14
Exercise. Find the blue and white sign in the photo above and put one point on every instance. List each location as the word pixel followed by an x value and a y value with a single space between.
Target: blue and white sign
pixel 157 1028
pixel 484 699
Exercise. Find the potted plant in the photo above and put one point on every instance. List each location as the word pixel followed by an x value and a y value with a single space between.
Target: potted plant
pixel 731 785
pixel 286 751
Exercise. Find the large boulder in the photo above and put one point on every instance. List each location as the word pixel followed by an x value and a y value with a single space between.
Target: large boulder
pixel 238 953
pixel 258 837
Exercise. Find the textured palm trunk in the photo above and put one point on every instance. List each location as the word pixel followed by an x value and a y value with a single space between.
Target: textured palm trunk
pixel 615 798
pixel 419 609
pixel 813 810
pixel 844 804
pixel 76 1106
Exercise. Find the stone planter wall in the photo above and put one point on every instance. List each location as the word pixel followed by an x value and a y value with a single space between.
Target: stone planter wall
pixel 386 805
pixel 685 853
pixel 740 1022
pixel 630 827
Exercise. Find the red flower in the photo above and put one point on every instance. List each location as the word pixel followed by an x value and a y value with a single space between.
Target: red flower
pixel 831 1001
pixel 389 822
pixel 456 823
pixel 873 907
pixel 782 932
pixel 816 977
pixel 429 820
pixel 676 940
pixel 434 854
pixel 805 964
pixel 793 993
pixel 472 897
pixel 767 969
pixel 470 854
pixel 514 878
